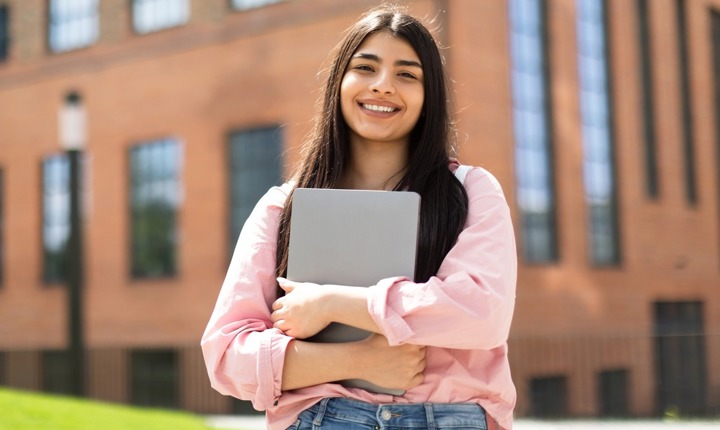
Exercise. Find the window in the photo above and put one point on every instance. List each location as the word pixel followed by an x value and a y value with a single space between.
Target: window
pixel 613 395
pixel 154 15
pixel 686 103
pixel 646 82
pixel 56 217
pixel 255 166
pixel 681 358
pixel 251 4
pixel 4 32
pixel 154 201
pixel 73 24
pixel 715 19
pixel 154 378
pixel 2 228
pixel 598 156
pixel 56 372
pixel 549 397
pixel 531 112
pixel 3 368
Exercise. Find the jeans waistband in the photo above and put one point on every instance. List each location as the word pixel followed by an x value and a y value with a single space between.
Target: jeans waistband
pixel 420 415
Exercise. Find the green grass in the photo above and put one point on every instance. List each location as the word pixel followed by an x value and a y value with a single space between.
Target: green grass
pixel 20 410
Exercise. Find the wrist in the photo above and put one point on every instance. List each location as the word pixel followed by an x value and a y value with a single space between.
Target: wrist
pixel 327 304
pixel 359 359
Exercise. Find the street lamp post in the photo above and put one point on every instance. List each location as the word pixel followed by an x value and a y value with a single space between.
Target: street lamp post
pixel 72 139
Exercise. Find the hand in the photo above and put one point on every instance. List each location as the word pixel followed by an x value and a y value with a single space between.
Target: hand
pixel 301 312
pixel 396 367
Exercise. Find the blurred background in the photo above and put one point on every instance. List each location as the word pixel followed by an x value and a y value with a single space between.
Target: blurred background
pixel 137 135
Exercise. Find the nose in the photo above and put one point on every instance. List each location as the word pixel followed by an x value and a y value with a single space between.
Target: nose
pixel 382 84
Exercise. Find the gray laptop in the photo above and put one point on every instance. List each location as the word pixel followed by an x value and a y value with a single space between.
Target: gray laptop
pixel 352 237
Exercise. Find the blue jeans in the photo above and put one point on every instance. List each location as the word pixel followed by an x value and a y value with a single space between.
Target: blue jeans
pixel 339 413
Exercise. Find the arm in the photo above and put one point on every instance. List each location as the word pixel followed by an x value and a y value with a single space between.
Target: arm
pixel 468 305
pixel 308 308
pixel 243 353
pixel 372 359
pixel 249 359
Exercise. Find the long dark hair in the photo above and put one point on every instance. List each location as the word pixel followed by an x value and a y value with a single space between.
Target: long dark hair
pixel 325 154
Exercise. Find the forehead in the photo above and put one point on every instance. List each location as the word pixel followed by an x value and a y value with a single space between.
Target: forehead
pixel 384 44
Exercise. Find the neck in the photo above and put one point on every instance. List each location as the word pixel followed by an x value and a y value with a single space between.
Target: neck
pixel 374 165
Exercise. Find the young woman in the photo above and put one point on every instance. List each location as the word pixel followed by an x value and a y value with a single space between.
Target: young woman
pixel 384 125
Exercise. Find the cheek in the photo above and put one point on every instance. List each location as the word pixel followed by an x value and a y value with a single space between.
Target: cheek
pixel 346 97
pixel 419 102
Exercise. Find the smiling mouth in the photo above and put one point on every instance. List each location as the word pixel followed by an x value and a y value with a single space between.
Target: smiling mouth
pixel 377 108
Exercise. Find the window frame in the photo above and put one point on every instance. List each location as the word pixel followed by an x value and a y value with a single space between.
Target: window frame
pixel 233 138
pixel 552 405
pixel 137 273
pixel 183 19
pixel 4 33
pixel 261 3
pixel 2 229
pixel 613 224
pixel 686 104
pixel 715 46
pixel 55 25
pixel 536 255
pixel 647 103
pixel 613 392
pixel 56 377
pixel 60 276
pixel 138 380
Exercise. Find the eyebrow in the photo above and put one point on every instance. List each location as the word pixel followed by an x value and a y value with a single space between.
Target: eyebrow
pixel 373 57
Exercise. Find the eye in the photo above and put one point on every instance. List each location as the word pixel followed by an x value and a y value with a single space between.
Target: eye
pixel 407 75
pixel 364 68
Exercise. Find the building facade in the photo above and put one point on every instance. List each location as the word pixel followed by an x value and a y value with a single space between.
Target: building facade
pixel 599 118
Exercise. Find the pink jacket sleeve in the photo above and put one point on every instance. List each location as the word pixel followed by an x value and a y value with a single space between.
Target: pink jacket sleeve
pixel 244 355
pixel 469 304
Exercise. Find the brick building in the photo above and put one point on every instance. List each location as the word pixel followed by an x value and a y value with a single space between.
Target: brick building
pixel 599 118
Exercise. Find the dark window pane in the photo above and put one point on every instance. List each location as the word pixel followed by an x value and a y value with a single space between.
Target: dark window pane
pixel 531 112
pixel 153 15
pixel 680 355
pixel 255 166
pixel 4 32
pixel 715 19
pixel 73 24
pixel 56 217
pixel 548 396
pixel 596 121
pixel 154 200
pixel 3 368
pixel 2 227
pixel 686 103
pixel 614 399
pixel 56 372
pixel 154 378
pixel 645 42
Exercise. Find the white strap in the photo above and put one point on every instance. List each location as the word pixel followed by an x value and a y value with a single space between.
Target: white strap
pixel 461 172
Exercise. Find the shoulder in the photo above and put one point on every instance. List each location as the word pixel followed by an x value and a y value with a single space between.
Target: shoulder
pixel 277 196
pixel 477 180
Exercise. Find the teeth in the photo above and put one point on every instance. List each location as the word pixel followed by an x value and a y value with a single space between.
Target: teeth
pixel 378 108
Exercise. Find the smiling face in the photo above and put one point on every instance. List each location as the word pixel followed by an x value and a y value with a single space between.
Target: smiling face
pixel 382 92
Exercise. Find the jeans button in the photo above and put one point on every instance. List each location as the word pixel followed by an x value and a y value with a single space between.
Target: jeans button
pixel 385 414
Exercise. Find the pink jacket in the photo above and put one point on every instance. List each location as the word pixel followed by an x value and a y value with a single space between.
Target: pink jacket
pixel 463 315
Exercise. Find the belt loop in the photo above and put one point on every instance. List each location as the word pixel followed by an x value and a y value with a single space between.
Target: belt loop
pixel 429 416
pixel 321 411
